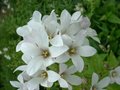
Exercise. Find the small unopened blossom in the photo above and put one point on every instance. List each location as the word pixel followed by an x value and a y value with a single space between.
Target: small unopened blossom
pixel 115 75
pixel 5 49
pixel 99 85
pixel 67 78
pixel 7 57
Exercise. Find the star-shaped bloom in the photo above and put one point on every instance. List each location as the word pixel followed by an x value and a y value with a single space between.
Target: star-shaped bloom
pixel 99 85
pixel 67 78
pixel 44 78
pixel 75 53
pixel 42 55
pixel 115 75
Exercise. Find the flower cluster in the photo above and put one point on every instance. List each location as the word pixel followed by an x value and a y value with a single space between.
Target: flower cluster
pixel 50 40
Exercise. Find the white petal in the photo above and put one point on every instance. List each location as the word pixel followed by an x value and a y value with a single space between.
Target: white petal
pixel 85 22
pixel 26 58
pixel 71 70
pixel 63 83
pixel 76 15
pixel 46 84
pixel 104 82
pixel 18 47
pixel 15 84
pixel 118 80
pixel 95 79
pixel 70 87
pixel 34 65
pixel 78 62
pixel 73 79
pixel 62 58
pixel 33 83
pixel 20 78
pixel 48 62
pixel 63 68
pixel 118 69
pixel 57 51
pixel 53 76
pixel 30 49
pixel 57 41
pixel 87 51
pixel 24 31
pixel 20 68
pixel 36 16
pixel 96 39
pixel 65 18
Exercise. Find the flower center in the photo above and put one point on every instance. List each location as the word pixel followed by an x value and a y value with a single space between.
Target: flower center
pixel 72 51
pixel 44 74
pixel 50 36
pixel 94 88
pixel 114 74
pixel 45 53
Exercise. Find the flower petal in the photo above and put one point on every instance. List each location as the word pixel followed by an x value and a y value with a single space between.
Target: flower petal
pixel 57 51
pixel 71 70
pixel 30 49
pixel 26 58
pixel 63 83
pixel 36 16
pixel 53 76
pixel 33 83
pixel 87 51
pixel 104 82
pixel 73 79
pixel 21 68
pixel 78 62
pixel 15 84
pixel 65 19
pixel 57 41
pixel 34 65
pixel 24 31
pixel 63 68
pixel 46 84
pixel 18 47
pixel 95 79
pixel 62 58
pixel 76 16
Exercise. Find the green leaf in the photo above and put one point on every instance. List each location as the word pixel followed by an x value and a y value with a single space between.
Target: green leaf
pixel 112 61
pixel 113 18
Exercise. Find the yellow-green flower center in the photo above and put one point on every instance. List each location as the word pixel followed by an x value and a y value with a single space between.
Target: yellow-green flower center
pixel 45 53
pixel 72 51
pixel 94 88
pixel 114 74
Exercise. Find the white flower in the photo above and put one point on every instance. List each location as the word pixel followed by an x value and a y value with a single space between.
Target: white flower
pixel 42 55
pixel 115 75
pixel 44 78
pixel 67 78
pixel 22 85
pixel 101 84
pixel 75 52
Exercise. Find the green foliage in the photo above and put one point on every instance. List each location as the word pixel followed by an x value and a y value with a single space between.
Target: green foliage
pixel 105 19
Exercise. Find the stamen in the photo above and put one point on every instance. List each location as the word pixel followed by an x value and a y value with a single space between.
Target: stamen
pixel 45 53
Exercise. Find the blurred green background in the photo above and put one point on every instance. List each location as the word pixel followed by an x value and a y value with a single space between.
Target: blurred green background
pixel 105 19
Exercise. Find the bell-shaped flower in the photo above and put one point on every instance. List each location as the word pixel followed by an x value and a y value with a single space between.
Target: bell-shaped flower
pixel 99 85
pixel 67 78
